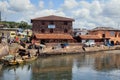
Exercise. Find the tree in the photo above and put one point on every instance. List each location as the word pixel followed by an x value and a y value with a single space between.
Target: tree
pixel 24 25
pixel 10 24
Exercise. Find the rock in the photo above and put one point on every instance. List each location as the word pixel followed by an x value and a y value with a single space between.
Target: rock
pixel 4 50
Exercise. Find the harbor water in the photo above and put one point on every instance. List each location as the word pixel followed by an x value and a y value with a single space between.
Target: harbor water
pixel 96 66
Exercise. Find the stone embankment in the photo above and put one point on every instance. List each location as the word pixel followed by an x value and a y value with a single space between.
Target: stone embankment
pixel 78 49
pixel 57 50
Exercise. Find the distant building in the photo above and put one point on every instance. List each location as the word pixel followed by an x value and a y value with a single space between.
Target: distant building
pixel 2 25
pixel 107 32
pixel 28 32
pixel 79 31
pixel 52 29
pixel 9 31
pixel 96 35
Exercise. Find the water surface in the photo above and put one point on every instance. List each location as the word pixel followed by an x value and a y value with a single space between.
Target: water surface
pixel 99 66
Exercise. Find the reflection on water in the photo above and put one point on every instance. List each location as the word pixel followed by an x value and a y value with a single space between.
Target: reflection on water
pixel 97 66
pixel 16 73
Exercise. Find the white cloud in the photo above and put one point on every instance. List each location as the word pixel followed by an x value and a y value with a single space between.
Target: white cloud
pixel 96 8
pixel 97 13
pixel 51 5
pixel 112 8
pixel 81 13
pixel 20 5
pixel 41 4
pixel 4 6
pixel 47 12
pixel 86 14
pixel 69 4
pixel 44 12
pixel 84 24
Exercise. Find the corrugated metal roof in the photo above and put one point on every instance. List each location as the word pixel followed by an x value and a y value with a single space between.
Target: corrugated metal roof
pixel 104 28
pixel 90 37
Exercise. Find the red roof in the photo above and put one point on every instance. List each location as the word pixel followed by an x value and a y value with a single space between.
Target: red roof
pixel 54 18
pixel 90 37
pixel 53 36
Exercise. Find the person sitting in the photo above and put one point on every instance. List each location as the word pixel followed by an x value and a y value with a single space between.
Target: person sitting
pixel 22 44
pixel 14 58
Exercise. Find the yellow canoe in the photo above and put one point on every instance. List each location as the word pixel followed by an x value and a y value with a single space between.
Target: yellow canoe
pixel 30 59
pixel 12 62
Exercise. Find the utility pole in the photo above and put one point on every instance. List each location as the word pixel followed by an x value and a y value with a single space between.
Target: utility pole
pixel 0 16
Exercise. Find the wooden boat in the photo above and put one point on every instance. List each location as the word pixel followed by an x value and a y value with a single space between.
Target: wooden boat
pixel 20 61
pixel 13 62
pixel 16 62
pixel 9 60
pixel 30 59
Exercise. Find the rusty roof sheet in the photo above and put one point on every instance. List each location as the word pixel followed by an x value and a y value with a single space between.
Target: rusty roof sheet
pixel 54 18
pixel 53 36
pixel 104 29
pixel 90 37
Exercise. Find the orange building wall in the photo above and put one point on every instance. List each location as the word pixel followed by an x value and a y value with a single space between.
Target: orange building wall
pixel 115 37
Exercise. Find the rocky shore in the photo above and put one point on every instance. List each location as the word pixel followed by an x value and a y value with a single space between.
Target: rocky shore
pixel 4 50
pixel 49 50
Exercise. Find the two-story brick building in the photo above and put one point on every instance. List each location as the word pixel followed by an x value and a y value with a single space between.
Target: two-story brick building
pixel 53 28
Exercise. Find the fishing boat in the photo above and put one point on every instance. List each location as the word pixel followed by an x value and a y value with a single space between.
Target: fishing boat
pixel 30 59
pixel 10 63
pixel 15 62
pixel 10 60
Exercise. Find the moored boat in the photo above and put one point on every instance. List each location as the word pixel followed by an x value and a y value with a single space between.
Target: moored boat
pixel 10 60
pixel 10 63
pixel 16 62
pixel 30 59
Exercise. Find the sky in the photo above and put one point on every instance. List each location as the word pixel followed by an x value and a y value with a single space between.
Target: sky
pixel 87 13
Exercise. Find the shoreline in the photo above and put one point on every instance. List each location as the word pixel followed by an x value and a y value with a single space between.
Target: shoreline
pixel 72 53
pixel 76 49
pixel 69 51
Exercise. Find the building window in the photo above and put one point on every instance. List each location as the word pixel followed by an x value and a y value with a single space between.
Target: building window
pixel 51 22
pixel 116 34
pixel 42 30
pixel 43 23
pixel 103 36
pixel 112 33
pixel 65 31
pixel 65 23
pixel 86 33
pixel 51 30
pixel 119 35
pixel 50 26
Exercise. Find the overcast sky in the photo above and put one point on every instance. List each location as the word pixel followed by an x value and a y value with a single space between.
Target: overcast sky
pixel 87 13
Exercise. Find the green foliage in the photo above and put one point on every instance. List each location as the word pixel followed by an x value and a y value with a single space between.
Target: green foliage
pixel 22 24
